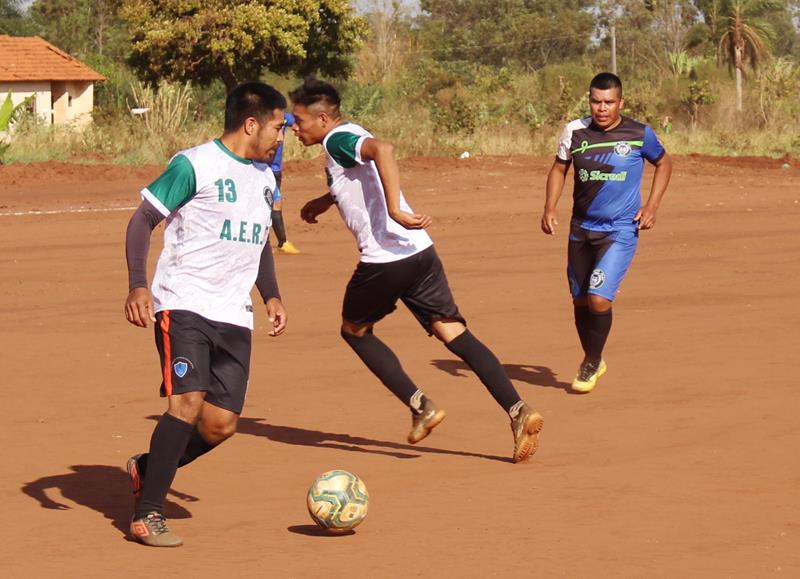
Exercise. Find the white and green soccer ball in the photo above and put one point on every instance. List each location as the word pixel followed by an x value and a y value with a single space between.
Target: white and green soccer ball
pixel 337 501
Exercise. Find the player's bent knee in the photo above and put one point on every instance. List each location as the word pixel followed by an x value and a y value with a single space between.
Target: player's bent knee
pixel 448 330
pixel 357 330
pixel 599 304
pixel 219 431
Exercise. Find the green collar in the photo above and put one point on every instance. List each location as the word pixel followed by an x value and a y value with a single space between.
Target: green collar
pixel 231 154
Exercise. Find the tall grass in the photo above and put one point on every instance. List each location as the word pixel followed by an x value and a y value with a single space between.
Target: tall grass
pixel 444 109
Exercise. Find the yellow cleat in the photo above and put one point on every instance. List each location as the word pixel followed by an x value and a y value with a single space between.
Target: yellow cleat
pixel 288 247
pixel 587 376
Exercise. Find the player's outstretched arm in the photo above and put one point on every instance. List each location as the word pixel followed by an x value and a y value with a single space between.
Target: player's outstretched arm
pixel 139 309
pixel 646 216
pixel 555 185
pixel 316 207
pixel 382 153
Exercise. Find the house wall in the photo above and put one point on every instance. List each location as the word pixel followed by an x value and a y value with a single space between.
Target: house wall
pixel 22 90
pixel 80 110
pixel 57 102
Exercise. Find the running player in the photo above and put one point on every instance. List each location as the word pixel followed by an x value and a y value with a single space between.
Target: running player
pixel 278 226
pixel 398 262
pixel 215 198
pixel 608 151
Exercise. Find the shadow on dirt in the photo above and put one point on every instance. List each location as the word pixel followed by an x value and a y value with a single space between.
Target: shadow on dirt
pixel 315 531
pixel 102 488
pixel 528 373
pixel 301 436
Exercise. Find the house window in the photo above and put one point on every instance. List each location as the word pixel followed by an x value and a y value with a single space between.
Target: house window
pixel 69 100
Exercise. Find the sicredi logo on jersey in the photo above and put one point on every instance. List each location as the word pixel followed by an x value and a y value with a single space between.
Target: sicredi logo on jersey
pixel 585 176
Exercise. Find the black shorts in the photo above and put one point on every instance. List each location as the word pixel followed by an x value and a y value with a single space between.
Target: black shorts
pixel 419 281
pixel 200 355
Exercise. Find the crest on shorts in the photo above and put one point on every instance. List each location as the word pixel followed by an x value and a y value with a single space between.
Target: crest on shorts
pixel 181 366
pixel 269 196
pixel 622 149
pixel 598 279
pixel 583 175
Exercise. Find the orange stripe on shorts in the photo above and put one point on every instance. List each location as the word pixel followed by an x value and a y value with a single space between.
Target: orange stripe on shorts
pixel 167 369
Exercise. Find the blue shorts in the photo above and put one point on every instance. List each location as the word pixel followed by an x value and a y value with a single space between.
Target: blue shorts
pixel 597 261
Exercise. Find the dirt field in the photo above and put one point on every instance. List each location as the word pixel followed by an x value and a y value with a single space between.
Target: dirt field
pixel 682 463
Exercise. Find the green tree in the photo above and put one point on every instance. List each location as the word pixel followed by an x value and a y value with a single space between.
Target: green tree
pixel 82 27
pixel 525 33
pixel 14 21
pixel 235 40
pixel 648 33
pixel 745 36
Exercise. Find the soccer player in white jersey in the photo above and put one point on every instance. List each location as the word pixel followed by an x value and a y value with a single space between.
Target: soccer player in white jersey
pixel 398 262
pixel 215 198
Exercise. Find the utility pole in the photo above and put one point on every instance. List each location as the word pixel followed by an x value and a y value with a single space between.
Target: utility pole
pixel 613 49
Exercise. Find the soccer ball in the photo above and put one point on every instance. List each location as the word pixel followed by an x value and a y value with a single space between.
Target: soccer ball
pixel 337 501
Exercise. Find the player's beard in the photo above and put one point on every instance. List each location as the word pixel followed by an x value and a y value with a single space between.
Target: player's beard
pixel 269 155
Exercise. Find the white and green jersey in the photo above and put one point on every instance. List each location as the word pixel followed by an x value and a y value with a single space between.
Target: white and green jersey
pixel 356 187
pixel 218 218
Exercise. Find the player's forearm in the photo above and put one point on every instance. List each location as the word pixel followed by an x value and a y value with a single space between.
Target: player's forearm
pixel 661 178
pixel 267 280
pixel 389 172
pixel 137 243
pixel 555 185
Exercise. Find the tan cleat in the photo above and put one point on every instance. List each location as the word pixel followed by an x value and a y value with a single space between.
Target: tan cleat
pixel 425 421
pixel 152 530
pixel 288 247
pixel 526 427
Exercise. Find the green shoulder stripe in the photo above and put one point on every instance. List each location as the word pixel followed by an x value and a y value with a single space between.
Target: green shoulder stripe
pixel 176 185
pixel 342 147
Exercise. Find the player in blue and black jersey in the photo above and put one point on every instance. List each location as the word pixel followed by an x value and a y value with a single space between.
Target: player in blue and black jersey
pixel 284 245
pixel 608 152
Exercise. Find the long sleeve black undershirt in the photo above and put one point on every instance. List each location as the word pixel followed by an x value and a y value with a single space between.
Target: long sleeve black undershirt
pixel 137 245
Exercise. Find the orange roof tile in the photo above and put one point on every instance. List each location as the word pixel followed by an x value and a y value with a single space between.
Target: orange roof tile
pixel 27 58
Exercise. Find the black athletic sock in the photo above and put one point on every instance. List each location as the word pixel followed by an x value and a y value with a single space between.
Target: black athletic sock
pixel 599 328
pixel 582 321
pixel 383 363
pixel 487 367
pixel 195 448
pixel 278 227
pixel 167 445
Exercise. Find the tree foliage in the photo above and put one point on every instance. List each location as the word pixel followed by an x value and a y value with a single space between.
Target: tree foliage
pixel 745 36
pixel 526 33
pixel 81 27
pixel 235 40
pixel 12 18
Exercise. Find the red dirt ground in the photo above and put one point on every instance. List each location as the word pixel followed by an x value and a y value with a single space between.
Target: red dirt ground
pixel 683 462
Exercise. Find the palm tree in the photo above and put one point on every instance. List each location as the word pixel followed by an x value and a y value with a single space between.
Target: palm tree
pixel 745 36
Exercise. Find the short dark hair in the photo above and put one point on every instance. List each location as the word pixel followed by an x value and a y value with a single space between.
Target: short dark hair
pixel 605 81
pixel 314 91
pixel 251 99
